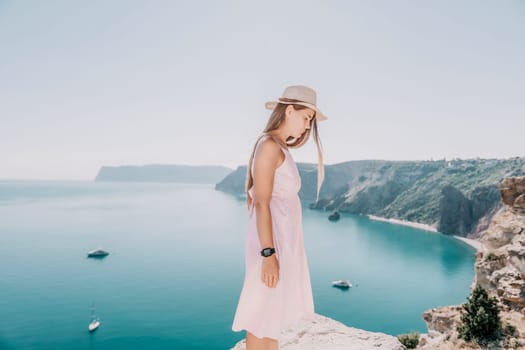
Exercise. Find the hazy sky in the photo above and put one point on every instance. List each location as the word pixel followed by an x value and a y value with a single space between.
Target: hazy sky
pixel 90 83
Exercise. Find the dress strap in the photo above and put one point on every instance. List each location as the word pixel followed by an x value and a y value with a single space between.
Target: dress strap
pixel 252 208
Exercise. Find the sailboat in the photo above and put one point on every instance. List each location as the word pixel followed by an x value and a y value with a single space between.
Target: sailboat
pixel 95 321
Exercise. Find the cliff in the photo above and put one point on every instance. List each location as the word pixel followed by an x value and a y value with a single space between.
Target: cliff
pixel 499 268
pixel 322 333
pixel 456 197
pixel 163 173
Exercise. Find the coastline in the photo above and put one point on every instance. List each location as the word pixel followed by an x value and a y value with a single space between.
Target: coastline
pixel 471 242
pixel 404 223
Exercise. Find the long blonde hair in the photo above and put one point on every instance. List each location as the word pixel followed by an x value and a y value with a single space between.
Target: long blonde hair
pixel 275 120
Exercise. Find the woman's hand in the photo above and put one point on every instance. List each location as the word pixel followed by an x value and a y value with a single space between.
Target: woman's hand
pixel 270 271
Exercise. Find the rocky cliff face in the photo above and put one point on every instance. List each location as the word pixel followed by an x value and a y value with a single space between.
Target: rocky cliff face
pixel 460 214
pixel 499 268
pixel 513 194
pixel 502 268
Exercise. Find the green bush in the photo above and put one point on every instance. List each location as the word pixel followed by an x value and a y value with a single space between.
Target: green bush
pixel 481 321
pixel 410 340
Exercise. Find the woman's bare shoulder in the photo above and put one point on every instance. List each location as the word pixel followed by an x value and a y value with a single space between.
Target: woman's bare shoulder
pixel 269 153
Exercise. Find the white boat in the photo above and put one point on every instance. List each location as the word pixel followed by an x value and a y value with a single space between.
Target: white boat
pixel 97 253
pixel 342 284
pixel 93 325
pixel 95 321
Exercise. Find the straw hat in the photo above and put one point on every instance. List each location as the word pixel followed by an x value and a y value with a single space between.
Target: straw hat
pixel 304 94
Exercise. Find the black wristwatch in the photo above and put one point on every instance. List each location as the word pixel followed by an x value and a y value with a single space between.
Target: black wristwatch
pixel 266 252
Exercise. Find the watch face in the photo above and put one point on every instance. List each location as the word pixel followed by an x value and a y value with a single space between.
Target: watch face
pixel 267 251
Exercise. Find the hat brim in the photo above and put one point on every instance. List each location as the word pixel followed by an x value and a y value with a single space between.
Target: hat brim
pixel 318 114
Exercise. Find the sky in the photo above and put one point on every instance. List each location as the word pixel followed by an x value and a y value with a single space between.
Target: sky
pixel 86 84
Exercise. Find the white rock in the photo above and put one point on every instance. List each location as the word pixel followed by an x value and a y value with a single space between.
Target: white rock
pixel 322 333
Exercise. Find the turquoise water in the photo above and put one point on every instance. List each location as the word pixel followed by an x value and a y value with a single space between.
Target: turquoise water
pixel 177 262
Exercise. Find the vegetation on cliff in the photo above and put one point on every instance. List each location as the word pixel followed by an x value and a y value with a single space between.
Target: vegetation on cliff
pixel 481 321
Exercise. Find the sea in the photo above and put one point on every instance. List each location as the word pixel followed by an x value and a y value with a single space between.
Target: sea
pixel 176 267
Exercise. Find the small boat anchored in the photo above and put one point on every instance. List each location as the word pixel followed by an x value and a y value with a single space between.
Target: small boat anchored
pixel 95 321
pixel 97 253
pixel 343 284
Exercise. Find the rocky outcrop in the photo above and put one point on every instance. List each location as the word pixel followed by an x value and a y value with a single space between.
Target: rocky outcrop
pixel 513 194
pixel 234 182
pixel 323 333
pixel 499 268
pixel 443 321
pixel 439 323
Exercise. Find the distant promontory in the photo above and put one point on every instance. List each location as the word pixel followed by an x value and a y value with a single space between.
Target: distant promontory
pixel 163 173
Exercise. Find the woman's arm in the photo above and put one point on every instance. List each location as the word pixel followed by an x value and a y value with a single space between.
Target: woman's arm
pixel 267 158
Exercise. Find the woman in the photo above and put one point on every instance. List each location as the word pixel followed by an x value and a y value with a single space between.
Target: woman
pixel 277 290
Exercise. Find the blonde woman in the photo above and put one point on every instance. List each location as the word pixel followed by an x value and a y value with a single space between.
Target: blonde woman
pixel 277 291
